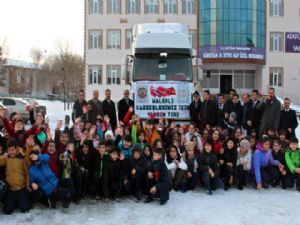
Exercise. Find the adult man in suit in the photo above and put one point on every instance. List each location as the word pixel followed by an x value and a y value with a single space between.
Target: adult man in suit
pixel 247 117
pixel 209 111
pixel 235 106
pixel 77 107
pixel 195 109
pixel 109 109
pixel 222 110
pixel 288 119
pixel 96 108
pixel 256 114
pixel 270 107
pixel 124 105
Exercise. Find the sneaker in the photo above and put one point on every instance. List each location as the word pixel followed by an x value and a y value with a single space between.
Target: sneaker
pixel 209 192
pixel 97 197
pixel 51 203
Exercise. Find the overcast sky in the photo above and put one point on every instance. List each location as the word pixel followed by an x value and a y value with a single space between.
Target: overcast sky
pixel 41 23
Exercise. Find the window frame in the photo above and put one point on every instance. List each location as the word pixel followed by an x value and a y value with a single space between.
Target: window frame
pixel 116 78
pixel 152 11
pixel 119 46
pixel 92 77
pixel 99 42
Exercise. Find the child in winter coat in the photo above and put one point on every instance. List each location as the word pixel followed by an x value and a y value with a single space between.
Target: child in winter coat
pixel 84 157
pixel 113 178
pixel 136 172
pixel 100 158
pixel 177 169
pixel 209 168
pixel 157 182
pixel 151 132
pixel 243 164
pixel 44 183
pixel 292 157
pixel 230 156
pixel 261 163
pixel 17 179
pixel 191 160
pixel 278 174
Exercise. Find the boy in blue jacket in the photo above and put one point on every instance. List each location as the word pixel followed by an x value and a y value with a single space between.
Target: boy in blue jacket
pixel 157 183
pixel 43 181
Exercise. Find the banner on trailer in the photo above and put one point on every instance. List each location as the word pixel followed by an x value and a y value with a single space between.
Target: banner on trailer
pixel 292 42
pixel 168 99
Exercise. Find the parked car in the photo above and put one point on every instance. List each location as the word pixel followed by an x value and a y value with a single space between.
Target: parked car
pixel 14 105
pixel 38 108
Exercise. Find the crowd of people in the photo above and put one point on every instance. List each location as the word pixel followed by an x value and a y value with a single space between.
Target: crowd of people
pixel 104 155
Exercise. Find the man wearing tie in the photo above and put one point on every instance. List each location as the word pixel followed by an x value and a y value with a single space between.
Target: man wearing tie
pixel 288 119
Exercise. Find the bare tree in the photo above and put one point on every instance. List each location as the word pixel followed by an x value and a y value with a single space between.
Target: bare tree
pixel 36 55
pixel 62 72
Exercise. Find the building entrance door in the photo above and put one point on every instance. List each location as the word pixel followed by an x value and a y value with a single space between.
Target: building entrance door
pixel 225 83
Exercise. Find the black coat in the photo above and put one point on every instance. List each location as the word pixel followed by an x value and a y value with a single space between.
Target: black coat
pixel 195 112
pixel 99 163
pixel 109 109
pixel 256 116
pixel 139 165
pixel 247 114
pixel 113 174
pixel 209 113
pixel 96 110
pixel 221 115
pixel 288 120
pixel 123 108
pixel 230 156
pixel 160 173
pixel 77 109
pixel 208 161
pixel 238 109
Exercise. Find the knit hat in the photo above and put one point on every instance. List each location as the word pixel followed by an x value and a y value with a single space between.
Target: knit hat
pixel 137 147
pixel 233 115
pixel 110 133
pixel 245 143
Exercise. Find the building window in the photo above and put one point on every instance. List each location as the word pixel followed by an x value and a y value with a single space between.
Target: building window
pixel 95 39
pixel 19 77
pixel 151 6
pixel 276 8
pixel 133 7
pixel 128 39
pixel 276 42
pixel 114 7
pixel 188 7
pixel 113 74
pixel 192 37
pixel 276 76
pixel 95 6
pixel 170 7
pixel 113 39
pixel 95 75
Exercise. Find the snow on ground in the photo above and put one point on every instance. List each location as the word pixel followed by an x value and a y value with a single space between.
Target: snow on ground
pixel 247 207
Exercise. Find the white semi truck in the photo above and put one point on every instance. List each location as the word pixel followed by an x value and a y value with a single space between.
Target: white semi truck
pixel 160 70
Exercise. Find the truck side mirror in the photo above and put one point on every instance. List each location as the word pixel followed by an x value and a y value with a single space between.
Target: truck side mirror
pixel 125 74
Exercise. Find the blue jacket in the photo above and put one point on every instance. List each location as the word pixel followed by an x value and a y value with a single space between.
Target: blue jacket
pixel 42 175
pixel 261 159
pixel 127 152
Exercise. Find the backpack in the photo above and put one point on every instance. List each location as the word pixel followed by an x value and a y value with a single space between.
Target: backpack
pixel 3 188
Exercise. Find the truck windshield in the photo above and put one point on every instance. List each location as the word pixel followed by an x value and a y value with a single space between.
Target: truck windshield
pixel 152 67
